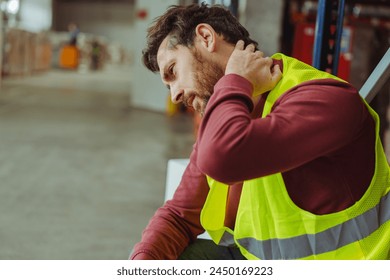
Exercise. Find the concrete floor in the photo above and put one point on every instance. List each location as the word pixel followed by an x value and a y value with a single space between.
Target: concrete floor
pixel 81 172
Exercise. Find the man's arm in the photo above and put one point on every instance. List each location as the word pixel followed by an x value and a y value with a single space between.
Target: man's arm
pixel 177 223
pixel 307 122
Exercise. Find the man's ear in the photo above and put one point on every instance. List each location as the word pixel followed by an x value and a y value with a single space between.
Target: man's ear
pixel 206 36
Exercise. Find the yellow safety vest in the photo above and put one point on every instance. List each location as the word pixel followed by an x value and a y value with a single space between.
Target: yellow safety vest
pixel 270 226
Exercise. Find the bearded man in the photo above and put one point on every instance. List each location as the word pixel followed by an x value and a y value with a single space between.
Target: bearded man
pixel 288 162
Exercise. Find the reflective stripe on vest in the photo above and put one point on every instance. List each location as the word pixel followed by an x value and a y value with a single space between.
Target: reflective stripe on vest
pixel 302 246
pixel 227 240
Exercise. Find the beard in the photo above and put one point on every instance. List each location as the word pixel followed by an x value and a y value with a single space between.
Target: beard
pixel 206 75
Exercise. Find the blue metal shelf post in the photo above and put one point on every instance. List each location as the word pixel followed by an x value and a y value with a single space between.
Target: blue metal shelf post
pixel 327 40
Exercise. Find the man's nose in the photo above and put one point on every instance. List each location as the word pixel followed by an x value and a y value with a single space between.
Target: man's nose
pixel 177 95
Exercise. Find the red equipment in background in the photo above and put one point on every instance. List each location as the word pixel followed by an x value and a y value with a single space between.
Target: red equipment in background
pixel 304 43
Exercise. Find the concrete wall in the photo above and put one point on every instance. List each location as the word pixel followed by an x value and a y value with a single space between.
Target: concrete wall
pixel 147 88
pixel 112 20
pixel 35 15
pixel 263 19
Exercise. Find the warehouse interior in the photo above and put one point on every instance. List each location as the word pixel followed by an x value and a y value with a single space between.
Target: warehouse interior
pixel 86 135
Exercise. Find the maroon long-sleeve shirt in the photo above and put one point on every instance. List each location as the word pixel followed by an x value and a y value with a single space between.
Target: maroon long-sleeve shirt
pixel 319 135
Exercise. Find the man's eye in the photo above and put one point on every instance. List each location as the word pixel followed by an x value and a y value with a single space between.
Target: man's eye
pixel 171 69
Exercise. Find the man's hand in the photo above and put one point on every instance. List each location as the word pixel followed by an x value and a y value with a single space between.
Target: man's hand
pixel 251 65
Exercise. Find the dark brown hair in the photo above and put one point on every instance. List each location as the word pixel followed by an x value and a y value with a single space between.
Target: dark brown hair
pixel 181 21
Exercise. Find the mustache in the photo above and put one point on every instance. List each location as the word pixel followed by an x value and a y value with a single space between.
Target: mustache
pixel 196 101
pixel 189 98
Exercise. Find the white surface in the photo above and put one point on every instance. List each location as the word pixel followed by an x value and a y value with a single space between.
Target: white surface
pixel 35 15
pixel 175 171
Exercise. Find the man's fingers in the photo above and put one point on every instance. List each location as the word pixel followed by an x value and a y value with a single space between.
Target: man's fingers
pixel 240 45
pixel 250 48
pixel 276 74
pixel 259 54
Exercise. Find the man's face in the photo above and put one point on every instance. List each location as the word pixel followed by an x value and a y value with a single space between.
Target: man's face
pixel 189 76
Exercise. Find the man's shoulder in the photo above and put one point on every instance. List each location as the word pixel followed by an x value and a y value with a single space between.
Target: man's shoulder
pixel 327 89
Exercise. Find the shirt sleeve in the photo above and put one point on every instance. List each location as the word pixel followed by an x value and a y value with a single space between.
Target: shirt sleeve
pixel 309 121
pixel 177 223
